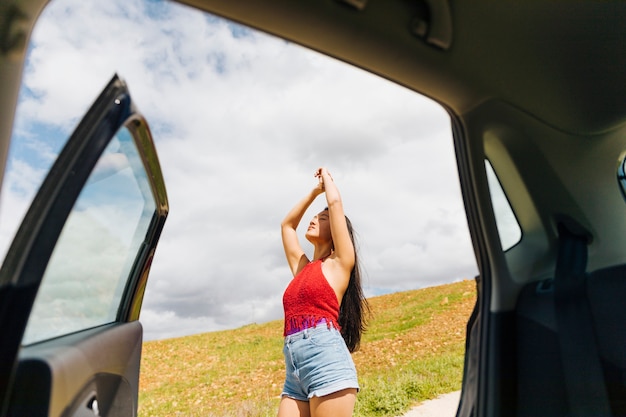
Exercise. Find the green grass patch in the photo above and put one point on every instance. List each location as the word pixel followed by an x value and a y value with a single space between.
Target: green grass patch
pixel 393 392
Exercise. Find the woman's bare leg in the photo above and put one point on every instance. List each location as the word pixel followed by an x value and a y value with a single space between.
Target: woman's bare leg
pixel 293 408
pixel 338 404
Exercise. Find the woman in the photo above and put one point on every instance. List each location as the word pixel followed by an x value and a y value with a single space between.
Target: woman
pixel 323 302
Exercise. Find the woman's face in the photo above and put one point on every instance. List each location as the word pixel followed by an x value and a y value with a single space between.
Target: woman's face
pixel 319 228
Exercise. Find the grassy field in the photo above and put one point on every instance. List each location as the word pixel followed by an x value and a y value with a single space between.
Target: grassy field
pixel 412 351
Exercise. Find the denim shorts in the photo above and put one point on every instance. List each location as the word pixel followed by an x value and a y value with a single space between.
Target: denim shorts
pixel 317 363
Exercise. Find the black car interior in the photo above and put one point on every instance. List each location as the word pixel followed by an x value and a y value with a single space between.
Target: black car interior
pixel 571 338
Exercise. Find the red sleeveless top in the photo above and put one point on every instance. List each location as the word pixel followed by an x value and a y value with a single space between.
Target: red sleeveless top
pixel 308 299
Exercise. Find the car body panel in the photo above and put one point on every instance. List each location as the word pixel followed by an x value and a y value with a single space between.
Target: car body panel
pixel 63 377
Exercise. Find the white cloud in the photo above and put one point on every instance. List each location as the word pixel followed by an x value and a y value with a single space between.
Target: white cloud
pixel 241 121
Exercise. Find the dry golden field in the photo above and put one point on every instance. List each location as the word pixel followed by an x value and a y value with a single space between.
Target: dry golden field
pixel 413 351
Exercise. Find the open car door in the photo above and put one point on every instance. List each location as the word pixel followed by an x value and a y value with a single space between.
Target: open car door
pixel 72 283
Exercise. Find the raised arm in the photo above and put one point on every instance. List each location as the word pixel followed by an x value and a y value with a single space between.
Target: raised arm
pixel 344 249
pixel 295 255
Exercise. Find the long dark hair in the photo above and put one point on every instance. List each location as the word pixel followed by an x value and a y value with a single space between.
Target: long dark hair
pixel 354 308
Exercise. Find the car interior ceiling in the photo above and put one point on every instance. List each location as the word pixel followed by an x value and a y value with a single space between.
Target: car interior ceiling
pixel 534 87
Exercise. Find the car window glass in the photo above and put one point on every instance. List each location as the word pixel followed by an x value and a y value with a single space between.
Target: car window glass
pixel 85 278
pixel 508 228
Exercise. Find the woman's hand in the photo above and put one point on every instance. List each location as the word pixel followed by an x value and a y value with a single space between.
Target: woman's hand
pixel 322 175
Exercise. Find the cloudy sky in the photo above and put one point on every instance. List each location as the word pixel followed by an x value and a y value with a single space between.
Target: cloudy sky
pixel 241 121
